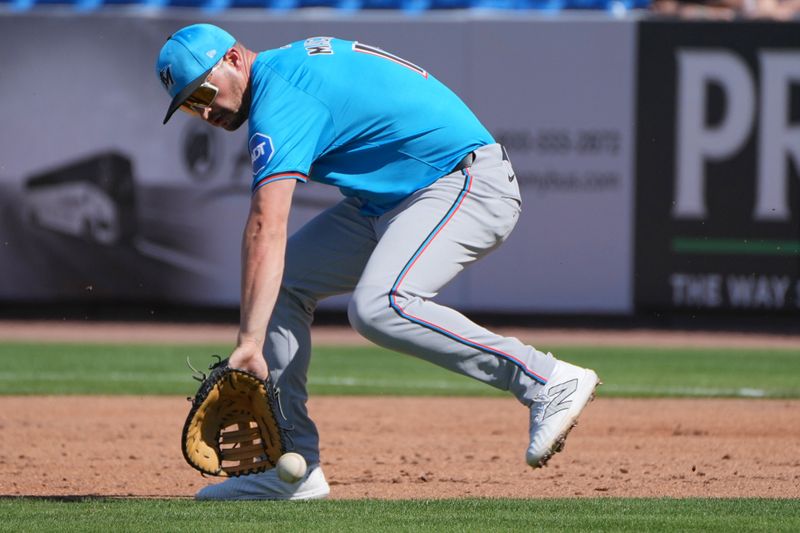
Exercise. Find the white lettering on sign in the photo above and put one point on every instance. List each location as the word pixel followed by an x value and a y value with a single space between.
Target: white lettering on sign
pixel 767 292
pixel 779 140
pixel 743 291
pixel 696 290
pixel 698 143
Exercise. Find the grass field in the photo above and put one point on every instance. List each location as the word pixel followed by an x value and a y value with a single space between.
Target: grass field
pixel 628 372
pixel 29 368
pixel 602 514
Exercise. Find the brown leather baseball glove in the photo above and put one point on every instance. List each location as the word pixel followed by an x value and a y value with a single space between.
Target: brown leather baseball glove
pixel 232 428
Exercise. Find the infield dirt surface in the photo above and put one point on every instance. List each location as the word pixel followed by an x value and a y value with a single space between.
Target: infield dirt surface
pixel 402 448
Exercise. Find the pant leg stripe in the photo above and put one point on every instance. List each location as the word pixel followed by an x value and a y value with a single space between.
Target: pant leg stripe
pixel 396 286
pixel 442 223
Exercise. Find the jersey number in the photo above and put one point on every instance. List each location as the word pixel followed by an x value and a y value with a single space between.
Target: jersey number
pixel 366 49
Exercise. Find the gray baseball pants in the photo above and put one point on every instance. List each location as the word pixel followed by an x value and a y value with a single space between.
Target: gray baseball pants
pixel 394 265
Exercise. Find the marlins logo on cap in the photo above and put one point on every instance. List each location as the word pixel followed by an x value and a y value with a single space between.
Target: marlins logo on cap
pixel 186 59
pixel 166 77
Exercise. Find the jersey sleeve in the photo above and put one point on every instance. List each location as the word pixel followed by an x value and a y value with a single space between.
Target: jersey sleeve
pixel 289 129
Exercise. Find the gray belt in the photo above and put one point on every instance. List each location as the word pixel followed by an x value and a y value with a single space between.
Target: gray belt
pixel 464 163
pixel 469 159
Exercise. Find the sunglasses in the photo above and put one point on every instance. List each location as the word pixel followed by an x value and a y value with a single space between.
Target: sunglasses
pixel 202 97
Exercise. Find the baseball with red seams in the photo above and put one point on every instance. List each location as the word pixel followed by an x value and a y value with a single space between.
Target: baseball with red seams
pixel 291 467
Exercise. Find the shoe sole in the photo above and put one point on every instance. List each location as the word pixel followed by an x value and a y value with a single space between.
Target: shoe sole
pixel 242 490
pixel 317 494
pixel 558 444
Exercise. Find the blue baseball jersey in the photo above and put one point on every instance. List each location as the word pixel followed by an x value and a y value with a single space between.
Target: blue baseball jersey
pixel 354 116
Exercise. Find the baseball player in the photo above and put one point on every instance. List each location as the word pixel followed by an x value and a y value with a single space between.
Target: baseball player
pixel 427 191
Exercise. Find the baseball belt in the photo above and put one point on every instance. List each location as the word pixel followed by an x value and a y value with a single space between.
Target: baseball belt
pixel 464 163
pixel 469 159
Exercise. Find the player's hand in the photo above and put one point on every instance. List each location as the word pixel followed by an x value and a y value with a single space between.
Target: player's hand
pixel 248 356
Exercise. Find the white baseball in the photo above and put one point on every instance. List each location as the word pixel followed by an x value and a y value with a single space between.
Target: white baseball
pixel 291 467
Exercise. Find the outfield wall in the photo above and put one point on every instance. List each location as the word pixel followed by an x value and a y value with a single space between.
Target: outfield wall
pixel 562 94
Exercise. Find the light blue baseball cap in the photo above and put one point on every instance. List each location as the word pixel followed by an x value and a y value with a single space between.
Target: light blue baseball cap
pixel 186 59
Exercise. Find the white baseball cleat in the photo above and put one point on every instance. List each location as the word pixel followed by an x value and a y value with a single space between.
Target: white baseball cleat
pixel 268 486
pixel 554 412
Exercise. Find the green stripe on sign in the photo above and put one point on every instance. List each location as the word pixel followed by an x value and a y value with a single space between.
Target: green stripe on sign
pixel 684 245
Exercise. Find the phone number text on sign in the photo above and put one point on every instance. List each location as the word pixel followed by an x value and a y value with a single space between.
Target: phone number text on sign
pixel 562 141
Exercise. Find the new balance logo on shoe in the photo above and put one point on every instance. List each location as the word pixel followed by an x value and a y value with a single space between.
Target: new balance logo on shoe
pixel 561 401
pixel 555 410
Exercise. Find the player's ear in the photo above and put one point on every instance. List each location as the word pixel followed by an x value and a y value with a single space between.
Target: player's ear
pixel 233 57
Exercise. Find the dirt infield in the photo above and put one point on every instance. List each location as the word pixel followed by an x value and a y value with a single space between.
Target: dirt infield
pixel 86 331
pixel 421 448
pixel 411 447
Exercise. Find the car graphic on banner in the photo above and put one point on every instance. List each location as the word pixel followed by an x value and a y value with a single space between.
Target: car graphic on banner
pixel 93 199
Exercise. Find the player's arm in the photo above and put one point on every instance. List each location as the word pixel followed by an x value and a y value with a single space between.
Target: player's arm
pixel 263 252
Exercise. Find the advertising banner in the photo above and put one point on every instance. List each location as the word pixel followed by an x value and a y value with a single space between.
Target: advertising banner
pixel 718 162
pixel 100 202
pixel 560 96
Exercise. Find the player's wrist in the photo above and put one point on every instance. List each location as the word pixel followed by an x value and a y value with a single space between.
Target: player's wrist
pixel 246 340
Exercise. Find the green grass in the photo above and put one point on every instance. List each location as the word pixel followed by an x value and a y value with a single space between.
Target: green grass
pixel 29 368
pixel 602 514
